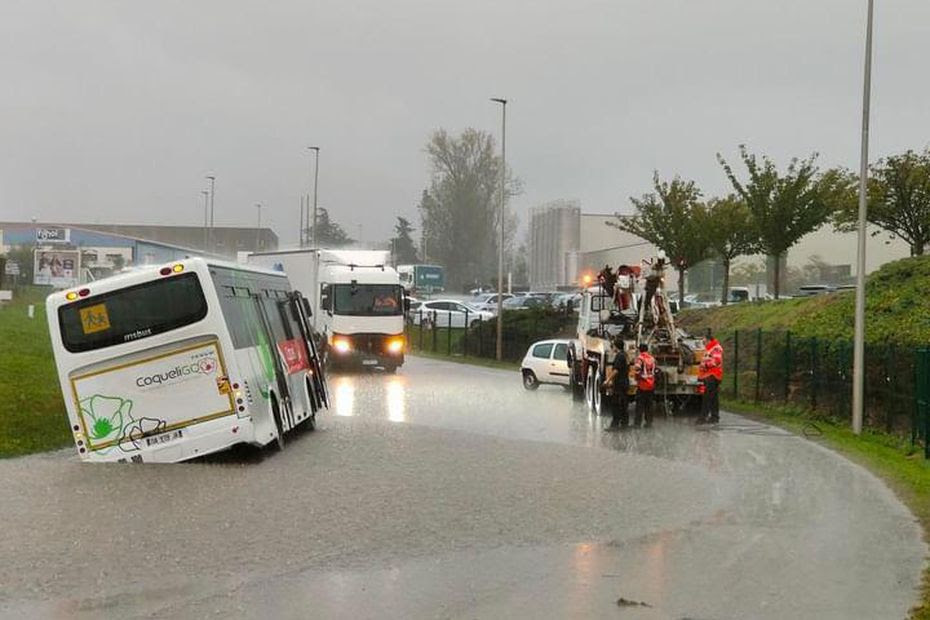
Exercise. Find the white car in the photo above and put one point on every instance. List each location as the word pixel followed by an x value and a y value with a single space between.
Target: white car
pixel 488 303
pixel 546 361
pixel 524 302
pixel 449 313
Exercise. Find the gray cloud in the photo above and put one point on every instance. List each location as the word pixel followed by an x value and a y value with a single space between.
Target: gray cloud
pixel 114 111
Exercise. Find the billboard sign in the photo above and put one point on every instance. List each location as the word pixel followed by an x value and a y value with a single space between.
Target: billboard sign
pixel 58 268
pixel 53 234
pixel 11 268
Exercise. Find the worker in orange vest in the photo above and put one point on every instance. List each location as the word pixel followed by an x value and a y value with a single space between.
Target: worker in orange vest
pixel 711 375
pixel 644 368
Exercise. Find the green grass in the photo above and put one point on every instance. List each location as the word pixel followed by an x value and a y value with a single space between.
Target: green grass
pixel 32 412
pixel 897 310
pixel 890 457
pixel 461 359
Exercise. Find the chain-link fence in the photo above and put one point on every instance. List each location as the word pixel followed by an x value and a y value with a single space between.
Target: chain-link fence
pixel 814 373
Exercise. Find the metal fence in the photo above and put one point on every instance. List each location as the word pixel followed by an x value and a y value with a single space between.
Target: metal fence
pixel 778 366
pixel 465 334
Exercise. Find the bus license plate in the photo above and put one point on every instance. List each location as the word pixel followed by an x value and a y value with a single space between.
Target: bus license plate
pixel 157 440
pixel 369 362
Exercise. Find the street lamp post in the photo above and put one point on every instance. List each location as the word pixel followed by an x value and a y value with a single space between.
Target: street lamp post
pixel 316 176
pixel 212 241
pixel 258 227
pixel 500 222
pixel 859 340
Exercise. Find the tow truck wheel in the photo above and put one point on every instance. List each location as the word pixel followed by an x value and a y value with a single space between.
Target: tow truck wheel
pixel 598 404
pixel 577 386
pixel 589 388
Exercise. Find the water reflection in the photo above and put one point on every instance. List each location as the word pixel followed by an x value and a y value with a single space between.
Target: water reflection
pixel 395 397
pixel 344 390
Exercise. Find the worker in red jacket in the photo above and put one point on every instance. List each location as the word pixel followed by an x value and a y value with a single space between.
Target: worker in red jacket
pixel 644 368
pixel 711 375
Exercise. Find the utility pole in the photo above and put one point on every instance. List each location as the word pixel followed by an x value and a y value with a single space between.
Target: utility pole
pixel 859 340
pixel 206 216
pixel 316 176
pixel 212 237
pixel 258 228
pixel 500 221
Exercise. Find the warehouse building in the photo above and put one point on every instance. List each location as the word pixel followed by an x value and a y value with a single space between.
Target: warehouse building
pixel 63 255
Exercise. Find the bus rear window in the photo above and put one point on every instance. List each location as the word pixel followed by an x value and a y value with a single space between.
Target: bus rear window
pixel 132 313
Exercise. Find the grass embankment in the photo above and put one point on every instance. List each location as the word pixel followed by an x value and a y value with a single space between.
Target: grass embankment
pixel 897 310
pixel 32 413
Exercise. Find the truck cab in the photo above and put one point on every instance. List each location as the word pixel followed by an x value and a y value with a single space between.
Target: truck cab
pixel 361 316
pixel 357 303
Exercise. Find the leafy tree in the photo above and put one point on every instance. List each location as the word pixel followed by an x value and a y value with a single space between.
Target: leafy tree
pixel 459 209
pixel 402 245
pixel 329 233
pixel 23 255
pixel 785 207
pixel 898 199
pixel 672 218
pixel 731 233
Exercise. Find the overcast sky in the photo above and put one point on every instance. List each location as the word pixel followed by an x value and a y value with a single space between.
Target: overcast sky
pixel 115 111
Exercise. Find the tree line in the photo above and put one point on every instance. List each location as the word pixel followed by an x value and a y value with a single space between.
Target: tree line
pixel 770 210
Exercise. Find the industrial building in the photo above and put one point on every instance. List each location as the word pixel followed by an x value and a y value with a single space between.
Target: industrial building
pixel 565 244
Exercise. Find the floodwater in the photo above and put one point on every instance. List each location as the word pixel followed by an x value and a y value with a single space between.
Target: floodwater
pixel 448 491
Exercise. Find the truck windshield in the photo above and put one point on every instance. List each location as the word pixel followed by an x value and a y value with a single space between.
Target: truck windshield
pixel 132 313
pixel 368 299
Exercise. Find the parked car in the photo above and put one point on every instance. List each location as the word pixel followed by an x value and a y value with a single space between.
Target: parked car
pixel 448 312
pixel 546 361
pixel 810 290
pixel 523 303
pixel 488 303
pixel 566 300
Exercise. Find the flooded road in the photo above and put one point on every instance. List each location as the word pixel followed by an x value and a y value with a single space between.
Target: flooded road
pixel 448 491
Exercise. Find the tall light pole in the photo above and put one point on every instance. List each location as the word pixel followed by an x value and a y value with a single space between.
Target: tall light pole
pixel 500 222
pixel 859 340
pixel 300 227
pixel 212 241
pixel 316 176
pixel 206 215
pixel 258 227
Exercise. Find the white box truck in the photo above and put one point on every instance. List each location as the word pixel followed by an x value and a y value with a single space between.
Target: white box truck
pixel 356 300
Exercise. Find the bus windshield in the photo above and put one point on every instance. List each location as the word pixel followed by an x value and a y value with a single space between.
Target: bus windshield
pixel 132 313
pixel 368 299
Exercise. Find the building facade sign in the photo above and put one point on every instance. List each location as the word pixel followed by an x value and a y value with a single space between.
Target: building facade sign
pixel 53 234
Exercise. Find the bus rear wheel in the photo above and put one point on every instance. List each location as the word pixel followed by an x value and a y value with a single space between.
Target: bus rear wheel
pixel 278 422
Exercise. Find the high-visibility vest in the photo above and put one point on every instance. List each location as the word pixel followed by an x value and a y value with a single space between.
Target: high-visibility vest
pixel 712 364
pixel 645 370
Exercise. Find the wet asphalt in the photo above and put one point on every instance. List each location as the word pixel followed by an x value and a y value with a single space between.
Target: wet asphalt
pixel 447 491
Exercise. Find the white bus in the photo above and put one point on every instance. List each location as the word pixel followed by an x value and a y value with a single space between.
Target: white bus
pixel 173 362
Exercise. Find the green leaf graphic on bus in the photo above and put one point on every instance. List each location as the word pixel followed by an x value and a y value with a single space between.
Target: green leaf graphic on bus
pixel 105 416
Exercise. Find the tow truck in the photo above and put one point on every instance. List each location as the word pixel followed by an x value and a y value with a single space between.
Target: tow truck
pixel 629 307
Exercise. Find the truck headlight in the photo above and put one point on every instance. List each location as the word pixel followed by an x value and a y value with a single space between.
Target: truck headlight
pixel 342 344
pixel 395 345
